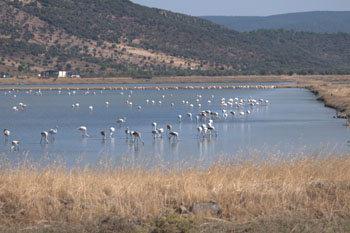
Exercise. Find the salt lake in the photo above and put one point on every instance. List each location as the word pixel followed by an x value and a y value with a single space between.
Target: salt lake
pixel 292 123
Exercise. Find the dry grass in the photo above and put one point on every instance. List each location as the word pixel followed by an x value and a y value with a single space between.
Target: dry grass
pixel 335 96
pixel 247 191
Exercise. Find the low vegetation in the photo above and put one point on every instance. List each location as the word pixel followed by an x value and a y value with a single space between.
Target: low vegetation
pixel 304 194
pixel 108 38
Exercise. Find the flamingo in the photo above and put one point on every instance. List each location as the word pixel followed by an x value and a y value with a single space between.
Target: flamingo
pixel 15 145
pixel 189 115
pixel 44 135
pixel 91 108
pixel 7 133
pixel 211 129
pixel 180 117
pixel 160 131
pixel 169 128
pixel 137 137
pixel 200 130
pixel 204 129
pixel 111 132
pixel 83 131
pixel 174 135
pixel 197 118
pixel 53 132
pixel 121 121
pixel 127 132
pixel 215 115
pixel 154 131
pixel 104 135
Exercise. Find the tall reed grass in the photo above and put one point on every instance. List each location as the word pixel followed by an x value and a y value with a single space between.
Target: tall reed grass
pixel 310 186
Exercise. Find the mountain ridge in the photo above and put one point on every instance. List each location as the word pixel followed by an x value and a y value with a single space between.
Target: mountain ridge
pixel 117 38
pixel 311 21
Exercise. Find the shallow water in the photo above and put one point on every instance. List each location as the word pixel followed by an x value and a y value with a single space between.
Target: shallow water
pixel 292 123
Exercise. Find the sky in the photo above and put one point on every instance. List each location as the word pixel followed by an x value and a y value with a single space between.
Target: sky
pixel 246 7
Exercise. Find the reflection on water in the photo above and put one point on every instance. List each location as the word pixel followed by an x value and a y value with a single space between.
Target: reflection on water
pixel 292 123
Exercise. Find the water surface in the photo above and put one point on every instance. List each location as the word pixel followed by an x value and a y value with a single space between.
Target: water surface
pixel 292 123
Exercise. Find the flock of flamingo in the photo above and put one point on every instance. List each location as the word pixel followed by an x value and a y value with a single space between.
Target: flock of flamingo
pixel 204 118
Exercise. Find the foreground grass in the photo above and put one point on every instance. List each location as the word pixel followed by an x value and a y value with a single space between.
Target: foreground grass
pixel 302 195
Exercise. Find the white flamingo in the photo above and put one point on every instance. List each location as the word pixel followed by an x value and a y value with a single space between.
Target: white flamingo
pixel 7 134
pixel 53 132
pixel 121 121
pixel 174 135
pixel 14 145
pixel 127 132
pixel 180 117
pixel 91 108
pixel 169 128
pixel 44 135
pixel 200 130
pixel 204 130
pixel 189 115
pixel 137 137
pixel 160 131
pixel 111 132
pixel 83 131
pixel 154 131
pixel 211 129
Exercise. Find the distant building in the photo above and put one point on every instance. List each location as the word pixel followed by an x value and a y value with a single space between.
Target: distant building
pixel 59 74
pixel 73 74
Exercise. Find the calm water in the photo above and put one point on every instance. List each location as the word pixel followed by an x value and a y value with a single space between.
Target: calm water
pixel 292 123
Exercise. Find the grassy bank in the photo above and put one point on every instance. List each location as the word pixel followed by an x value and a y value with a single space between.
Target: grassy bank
pixel 334 96
pixel 306 194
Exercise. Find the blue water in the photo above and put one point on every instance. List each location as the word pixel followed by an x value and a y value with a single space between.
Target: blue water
pixel 293 123
pixel 141 85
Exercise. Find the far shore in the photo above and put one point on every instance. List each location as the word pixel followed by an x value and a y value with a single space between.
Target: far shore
pixel 175 79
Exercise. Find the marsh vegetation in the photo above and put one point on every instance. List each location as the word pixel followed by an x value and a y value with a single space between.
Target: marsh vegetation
pixel 303 194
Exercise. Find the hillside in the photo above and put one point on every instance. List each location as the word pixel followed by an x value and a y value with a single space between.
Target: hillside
pixel 117 37
pixel 316 21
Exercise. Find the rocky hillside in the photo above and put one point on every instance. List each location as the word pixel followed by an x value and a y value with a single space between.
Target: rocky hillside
pixel 118 37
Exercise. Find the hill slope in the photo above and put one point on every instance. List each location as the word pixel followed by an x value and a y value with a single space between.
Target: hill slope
pixel 316 21
pixel 118 37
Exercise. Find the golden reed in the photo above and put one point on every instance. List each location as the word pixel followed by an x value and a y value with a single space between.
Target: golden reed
pixel 310 186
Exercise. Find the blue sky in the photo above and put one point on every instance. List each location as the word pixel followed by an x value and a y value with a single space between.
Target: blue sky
pixel 246 7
